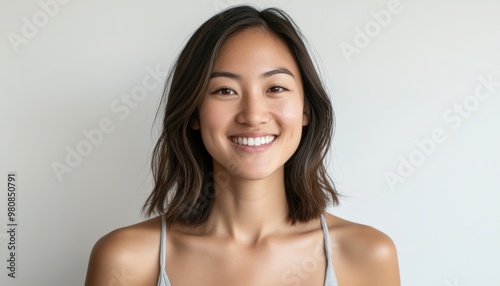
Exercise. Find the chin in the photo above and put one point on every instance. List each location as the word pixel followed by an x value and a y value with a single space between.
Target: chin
pixel 248 174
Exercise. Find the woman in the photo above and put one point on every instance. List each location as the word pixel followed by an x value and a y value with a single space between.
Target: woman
pixel 240 181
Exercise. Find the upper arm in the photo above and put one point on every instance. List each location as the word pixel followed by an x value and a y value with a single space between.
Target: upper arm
pixel 381 267
pixel 120 258
pixel 364 256
pixel 106 259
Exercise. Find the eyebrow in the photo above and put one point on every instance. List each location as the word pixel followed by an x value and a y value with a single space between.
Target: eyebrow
pixel 264 75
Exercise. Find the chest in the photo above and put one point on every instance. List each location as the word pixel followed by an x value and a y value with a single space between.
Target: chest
pixel 292 264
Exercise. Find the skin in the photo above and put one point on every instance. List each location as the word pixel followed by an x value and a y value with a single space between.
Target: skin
pixel 256 89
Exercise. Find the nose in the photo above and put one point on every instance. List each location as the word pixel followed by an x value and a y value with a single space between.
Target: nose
pixel 254 109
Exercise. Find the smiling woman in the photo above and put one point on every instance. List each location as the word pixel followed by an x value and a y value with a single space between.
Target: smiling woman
pixel 254 92
pixel 241 187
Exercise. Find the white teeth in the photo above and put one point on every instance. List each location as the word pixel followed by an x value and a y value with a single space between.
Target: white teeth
pixel 257 141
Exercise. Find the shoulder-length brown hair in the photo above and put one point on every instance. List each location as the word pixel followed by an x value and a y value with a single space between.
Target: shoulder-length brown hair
pixel 182 167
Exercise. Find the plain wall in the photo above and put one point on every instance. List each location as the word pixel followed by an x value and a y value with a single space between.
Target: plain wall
pixel 415 151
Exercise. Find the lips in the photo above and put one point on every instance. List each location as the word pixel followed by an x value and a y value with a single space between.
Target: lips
pixel 253 141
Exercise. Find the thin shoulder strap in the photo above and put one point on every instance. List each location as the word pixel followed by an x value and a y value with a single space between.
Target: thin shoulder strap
pixel 326 235
pixel 330 279
pixel 163 238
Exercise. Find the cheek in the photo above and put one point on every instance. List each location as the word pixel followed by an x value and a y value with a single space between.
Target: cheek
pixel 210 115
pixel 291 119
pixel 292 112
pixel 213 119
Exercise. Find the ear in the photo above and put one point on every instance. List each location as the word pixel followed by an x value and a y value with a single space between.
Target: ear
pixel 305 115
pixel 195 123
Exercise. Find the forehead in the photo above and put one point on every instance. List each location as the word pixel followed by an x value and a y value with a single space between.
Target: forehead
pixel 253 49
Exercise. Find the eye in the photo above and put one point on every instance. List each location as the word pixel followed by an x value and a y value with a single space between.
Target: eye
pixel 225 91
pixel 277 89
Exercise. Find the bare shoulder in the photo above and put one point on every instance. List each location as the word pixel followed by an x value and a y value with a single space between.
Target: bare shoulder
pixel 362 255
pixel 128 256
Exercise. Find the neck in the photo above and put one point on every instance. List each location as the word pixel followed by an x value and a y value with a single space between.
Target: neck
pixel 249 210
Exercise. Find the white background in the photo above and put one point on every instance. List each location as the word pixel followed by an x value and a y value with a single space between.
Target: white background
pixel 394 91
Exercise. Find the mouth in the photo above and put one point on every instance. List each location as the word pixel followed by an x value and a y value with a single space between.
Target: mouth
pixel 253 141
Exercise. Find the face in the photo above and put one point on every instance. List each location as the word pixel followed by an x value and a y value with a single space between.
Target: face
pixel 252 114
